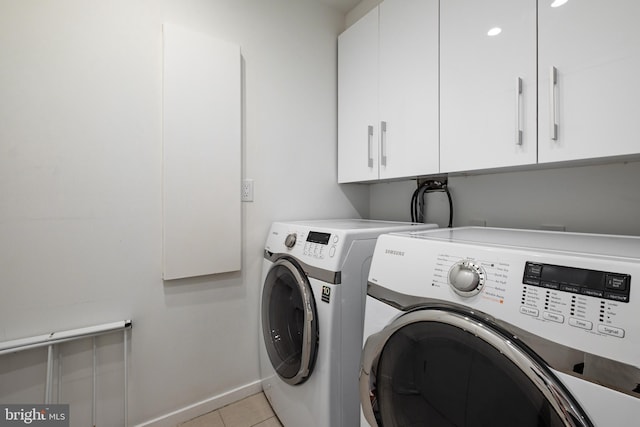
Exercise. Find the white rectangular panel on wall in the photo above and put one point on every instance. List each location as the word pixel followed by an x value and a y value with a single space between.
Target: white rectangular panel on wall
pixel 201 154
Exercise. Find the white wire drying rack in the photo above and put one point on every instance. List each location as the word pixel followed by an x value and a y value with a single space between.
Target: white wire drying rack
pixel 54 338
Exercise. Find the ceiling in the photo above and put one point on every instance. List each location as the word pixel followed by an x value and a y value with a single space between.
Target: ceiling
pixel 343 5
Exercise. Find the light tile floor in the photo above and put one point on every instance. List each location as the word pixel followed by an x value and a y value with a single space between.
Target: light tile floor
pixel 253 411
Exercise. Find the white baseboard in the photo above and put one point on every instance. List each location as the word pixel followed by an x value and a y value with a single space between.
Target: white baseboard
pixel 172 419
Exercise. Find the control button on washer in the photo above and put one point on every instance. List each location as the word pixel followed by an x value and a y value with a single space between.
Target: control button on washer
pixel 615 282
pixel 592 292
pixel 332 251
pixel 611 330
pixel 529 311
pixel 466 278
pixel 550 285
pixel 534 270
pixel 570 288
pixel 335 239
pixel 559 318
pixel 616 297
pixel 290 240
pixel 579 323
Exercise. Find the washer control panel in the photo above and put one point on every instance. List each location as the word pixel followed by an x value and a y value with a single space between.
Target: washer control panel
pixel 554 301
pixel 590 300
pixel 319 245
pixel 599 284
pixel 310 245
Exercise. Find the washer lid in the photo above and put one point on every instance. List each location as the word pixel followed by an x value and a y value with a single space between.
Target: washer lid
pixel 578 243
pixel 356 224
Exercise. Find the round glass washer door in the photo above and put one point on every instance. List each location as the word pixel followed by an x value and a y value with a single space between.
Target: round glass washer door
pixel 289 321
pixel 440 368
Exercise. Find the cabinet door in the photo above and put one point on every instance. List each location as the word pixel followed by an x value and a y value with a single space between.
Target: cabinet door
pixel 487 84
pixel 593 49
pixel 358 101
pixel 201 154
pixel 408 88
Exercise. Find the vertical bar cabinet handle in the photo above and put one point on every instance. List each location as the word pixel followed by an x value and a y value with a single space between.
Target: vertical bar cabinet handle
pixel 519 132
pixel 383 142
pixel 370 145
pixel 553 84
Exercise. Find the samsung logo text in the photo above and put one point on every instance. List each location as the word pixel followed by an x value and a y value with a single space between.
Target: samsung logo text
pixel 392 252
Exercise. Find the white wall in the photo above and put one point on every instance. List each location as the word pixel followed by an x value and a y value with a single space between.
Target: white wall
pixel 360 10
pixel 80 177
pixel 601 198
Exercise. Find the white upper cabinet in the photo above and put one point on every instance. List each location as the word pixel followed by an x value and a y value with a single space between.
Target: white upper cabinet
pixel 589 66
pixel 358 101
pixel 520 82
pixel 488 84
pixel 408 88
pixel 388 93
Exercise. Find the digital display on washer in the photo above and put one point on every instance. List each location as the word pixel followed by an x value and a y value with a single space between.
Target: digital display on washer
pixel 316 237
pixel 599 284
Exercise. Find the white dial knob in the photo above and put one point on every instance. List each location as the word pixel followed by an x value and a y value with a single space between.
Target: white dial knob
pixel 466 278
pixel 290 240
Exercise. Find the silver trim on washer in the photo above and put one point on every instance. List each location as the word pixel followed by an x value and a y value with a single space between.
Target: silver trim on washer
pixel 307 298
pixel 332 277
pixel 406 302
pixel 483 328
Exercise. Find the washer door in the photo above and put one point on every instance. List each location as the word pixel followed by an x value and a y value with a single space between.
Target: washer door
pixel 289 325
pixel 440 367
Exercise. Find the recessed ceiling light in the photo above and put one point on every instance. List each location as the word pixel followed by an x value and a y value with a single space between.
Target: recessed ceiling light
pixel 494 31
pixel 558 3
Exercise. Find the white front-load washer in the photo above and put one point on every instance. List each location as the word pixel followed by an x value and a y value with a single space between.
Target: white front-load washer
pixel 312 310
pixel 491 327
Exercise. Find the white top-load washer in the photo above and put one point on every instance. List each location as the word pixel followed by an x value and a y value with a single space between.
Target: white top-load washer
pixel 496 327
pixel 312 308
